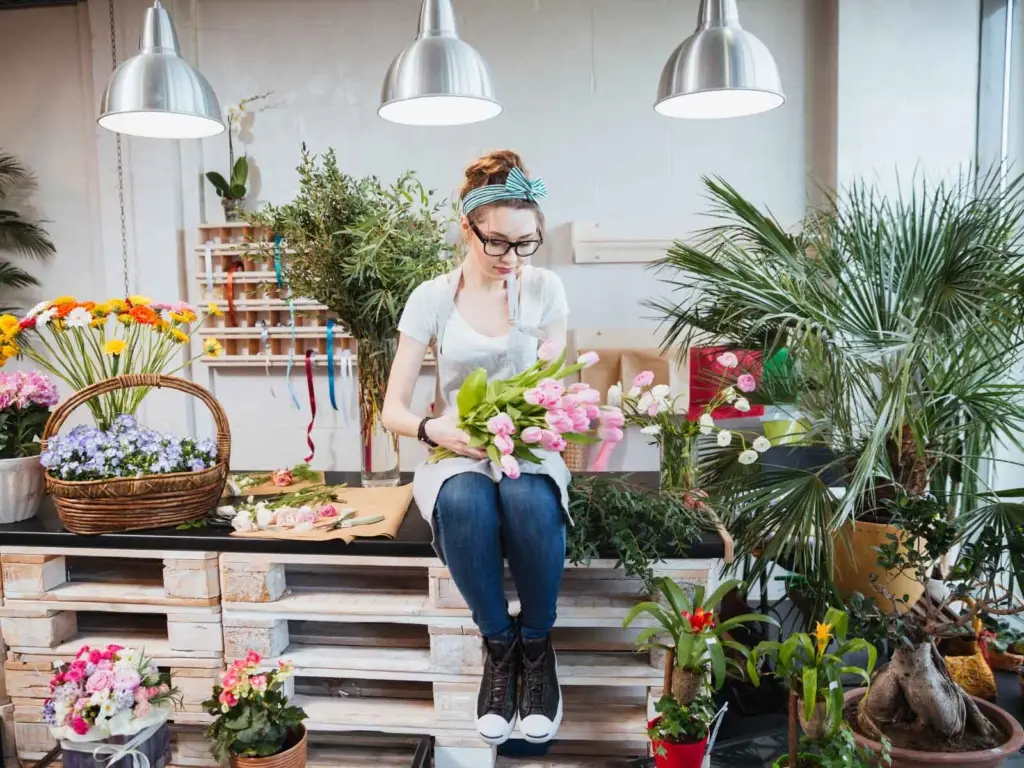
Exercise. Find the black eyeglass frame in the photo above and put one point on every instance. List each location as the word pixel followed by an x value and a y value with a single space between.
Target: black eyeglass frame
pixel 488 242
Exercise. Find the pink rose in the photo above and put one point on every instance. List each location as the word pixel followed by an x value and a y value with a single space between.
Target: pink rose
pixel 533 396
pixel 326 510
pixel 531 435
pixel 79 725
pixel 253 658
pixel 113 648
pixel 746 383
pixel 588 359
pixel 546 350
pixel 125 681
pixel 101 680
pixel 504 444
pixel 610 434
pixel 75 674
pixel 510 467
pixel 501 425
pixel 94 657
pixel 282 478
pixel 612 417
pixel 105 664
pixel 142 709
pixel 643 379
pixel 305 515
pixel 229 680
pixel 728 360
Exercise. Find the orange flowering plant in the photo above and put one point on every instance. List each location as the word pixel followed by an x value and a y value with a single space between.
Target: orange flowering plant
pixel 82 342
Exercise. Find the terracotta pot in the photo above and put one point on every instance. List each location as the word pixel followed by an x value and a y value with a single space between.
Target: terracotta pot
pixel 686 685
pixel 817 727
pixel 293 757
pixel 986 758
pixel 855 562
pixel 669 755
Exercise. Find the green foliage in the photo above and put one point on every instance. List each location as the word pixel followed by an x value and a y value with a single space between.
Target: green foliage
pixel 234 189
pixel 841 751
pixel 255 726
pixel 682 723
pixel 640 525
pixel 698 638
pixel 22 237
pixel 1003 637
pixel 20 430
pixel 901 315
pixel 812 666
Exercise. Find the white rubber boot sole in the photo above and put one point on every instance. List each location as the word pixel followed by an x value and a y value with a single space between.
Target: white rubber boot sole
pixel 494 729
pixel 537 729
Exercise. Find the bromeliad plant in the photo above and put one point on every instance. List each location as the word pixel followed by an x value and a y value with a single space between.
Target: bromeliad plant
pixel 253 717
pixel 698 639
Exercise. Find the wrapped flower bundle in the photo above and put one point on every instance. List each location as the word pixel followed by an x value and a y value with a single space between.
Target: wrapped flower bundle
pixel 125 450
pixel 106 692
pixel 514 418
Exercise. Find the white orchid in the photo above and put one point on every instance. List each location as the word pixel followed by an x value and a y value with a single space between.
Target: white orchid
pixel 762 444
pixel 747 457
pixel 653 429
pixel 706 423
pixel 742 404
pixel 724 438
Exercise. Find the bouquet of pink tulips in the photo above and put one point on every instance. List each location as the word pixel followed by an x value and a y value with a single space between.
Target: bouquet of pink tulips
pixel 512 419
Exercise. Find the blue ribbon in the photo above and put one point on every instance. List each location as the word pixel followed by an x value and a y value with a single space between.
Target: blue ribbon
pixel 330 361
pixel 516 187
pixel 291 355
pixel 277 261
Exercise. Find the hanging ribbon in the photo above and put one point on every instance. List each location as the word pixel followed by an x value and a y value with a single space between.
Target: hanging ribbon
pixel 347 364
pixel 208 261
pixel 277 261
pixel 291 354
pixel 265 349
pixel 330 362
pixel 312 405
pixel 232 319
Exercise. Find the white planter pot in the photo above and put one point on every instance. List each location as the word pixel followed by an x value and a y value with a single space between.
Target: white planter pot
pixel 21 488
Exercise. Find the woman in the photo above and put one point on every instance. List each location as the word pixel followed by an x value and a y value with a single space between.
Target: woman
pixel 472 320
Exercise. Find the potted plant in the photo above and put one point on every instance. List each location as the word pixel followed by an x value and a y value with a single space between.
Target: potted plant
pixel 113 702
pixel 838 750
pixel 254 724
pixel 679 734
pixel 360 248
pixel 698 639
pixel 232 190
pixel 17 235
pixel 812 667
pixel 25 402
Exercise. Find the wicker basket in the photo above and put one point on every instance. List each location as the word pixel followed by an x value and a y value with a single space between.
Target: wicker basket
pixel 136 503
pixel 575 457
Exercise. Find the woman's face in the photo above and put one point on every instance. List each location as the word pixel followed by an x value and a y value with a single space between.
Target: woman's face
pixel 498 228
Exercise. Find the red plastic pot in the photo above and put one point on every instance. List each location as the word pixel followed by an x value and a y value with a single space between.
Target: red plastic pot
pixel 678 755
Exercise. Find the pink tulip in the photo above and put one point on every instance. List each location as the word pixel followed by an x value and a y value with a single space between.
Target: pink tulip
pixel 549 439
pixel 578 387
pixel 510 467
pixel 546 350
pixel 552 386
pixel 501 425
pixel 551 400
pixel 580 422
pixel 554 418
pixel 610 434
pixel 531 435
pixel 504 444
pixel 643 379
pixel 612 417
pixel 588 359
pixel 533 396
pixel 746 383
pixel 589 396
pixel 568 401
pixel 593 412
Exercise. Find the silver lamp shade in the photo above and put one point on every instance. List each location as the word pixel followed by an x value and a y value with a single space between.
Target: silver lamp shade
pixel 156 93
pixel 438 79
pixel 721 70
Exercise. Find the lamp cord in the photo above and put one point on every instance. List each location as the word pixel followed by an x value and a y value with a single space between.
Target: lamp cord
pixel 120 162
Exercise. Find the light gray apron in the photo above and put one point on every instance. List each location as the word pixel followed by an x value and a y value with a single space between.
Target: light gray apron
pixel 452 369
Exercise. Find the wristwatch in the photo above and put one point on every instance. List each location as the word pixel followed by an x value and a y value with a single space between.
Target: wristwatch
pixel 421 433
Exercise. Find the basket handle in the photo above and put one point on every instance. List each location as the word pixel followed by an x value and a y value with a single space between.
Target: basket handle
pixel 132 380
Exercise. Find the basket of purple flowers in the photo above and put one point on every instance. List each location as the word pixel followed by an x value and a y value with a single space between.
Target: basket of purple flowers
pixel 127 477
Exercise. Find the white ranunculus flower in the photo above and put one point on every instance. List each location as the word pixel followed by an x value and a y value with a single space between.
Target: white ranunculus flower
pixel 762 444
pixel 653 429
pixel 615 395
pixel 226 511
pixel 706 423
pixel 729 393
pixel 661 391
pixel 742 404
pixel 748 457
pixel 646 401
pixel 634 393
pixel 264 515
pixel 242 522
pixel 724 438
pixel 305 525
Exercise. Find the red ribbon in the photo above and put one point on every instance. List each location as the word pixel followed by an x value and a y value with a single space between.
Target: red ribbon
pixel 312 405
pixel 232 320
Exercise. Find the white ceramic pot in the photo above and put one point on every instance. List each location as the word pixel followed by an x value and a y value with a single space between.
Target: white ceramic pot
pixel 21 488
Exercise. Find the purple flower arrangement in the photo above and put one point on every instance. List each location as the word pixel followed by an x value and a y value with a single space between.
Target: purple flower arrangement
pixel 25 402
pixel 125 450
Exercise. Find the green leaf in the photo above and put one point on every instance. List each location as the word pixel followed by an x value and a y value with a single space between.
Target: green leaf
pixel 513 413
pixel 493 454
pixel 237 191
pixel 686 645
pixel 810 689
pixel 717 663
pixel 472 391
pixel 240 173
pixel 746 618
pixel 719 594
pixel 219 183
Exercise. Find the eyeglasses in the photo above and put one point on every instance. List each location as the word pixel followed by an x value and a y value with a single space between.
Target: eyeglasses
pixel 497 248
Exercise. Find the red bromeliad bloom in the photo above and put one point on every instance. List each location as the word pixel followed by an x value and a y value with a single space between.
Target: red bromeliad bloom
pixel 700 620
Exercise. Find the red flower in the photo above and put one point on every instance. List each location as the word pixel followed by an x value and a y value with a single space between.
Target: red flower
pixel 81 727
pixel 700 620
pixel 28 322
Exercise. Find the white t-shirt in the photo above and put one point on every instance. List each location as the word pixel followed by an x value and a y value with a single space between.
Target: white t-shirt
pixel 542 301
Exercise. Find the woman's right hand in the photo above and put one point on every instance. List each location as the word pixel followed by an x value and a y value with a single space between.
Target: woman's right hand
pixel 445 431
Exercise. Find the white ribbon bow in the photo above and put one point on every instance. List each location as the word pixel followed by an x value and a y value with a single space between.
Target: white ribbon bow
pixel 117 752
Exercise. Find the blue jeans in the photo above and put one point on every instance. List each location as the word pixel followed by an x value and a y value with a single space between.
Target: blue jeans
pixel 477 521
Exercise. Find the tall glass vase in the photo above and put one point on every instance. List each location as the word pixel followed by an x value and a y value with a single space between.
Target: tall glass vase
pixel 378 448
pixel 678 462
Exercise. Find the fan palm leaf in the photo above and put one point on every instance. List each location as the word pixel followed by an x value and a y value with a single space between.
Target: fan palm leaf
pixel 18 236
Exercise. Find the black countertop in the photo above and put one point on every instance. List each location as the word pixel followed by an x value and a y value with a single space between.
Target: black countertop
pixel 413 539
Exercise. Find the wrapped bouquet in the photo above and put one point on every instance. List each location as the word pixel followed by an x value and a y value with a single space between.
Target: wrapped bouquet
pixel 514 418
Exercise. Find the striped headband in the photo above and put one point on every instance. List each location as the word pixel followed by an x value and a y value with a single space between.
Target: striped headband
pixel 516 187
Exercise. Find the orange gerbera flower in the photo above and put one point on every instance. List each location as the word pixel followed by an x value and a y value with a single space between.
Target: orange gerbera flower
pixel 144 315
pixel 63 310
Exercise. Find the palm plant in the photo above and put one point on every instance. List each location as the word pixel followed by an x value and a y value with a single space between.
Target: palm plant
pixel 21 237
pixel 902 317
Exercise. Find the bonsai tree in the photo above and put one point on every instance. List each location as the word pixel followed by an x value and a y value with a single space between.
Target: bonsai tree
pixel 18 236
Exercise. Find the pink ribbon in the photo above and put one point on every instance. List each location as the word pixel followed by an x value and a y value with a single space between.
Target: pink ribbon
pixel 312 405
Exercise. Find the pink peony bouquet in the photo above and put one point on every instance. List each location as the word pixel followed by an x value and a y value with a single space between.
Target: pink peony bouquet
pixel 106 692
pixel 513 419
pixel 25 402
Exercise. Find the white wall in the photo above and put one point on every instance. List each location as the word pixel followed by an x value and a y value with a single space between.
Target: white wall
pixel 577 79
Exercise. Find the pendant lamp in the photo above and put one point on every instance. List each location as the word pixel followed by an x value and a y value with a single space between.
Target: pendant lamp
pixel 438 79
pixel 156 93
pixel 721 70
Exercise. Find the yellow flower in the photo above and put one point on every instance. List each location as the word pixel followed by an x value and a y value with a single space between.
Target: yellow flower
pixel 822 634
pixel 212 347
pixel 98 322
pixel 114 346
pixel 117 305
pixel 214 310
pixel 160 324
pixel 64 300
pixel 9 324
pixel 9 350
pixel 125 318
pixel 178 336
pixel 101 310
pixel 182 317
pixel 140 300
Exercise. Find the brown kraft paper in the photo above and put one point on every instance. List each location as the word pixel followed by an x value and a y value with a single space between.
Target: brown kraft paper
pixel 622 365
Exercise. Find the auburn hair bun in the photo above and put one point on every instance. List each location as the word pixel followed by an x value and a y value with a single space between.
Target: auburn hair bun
pixel 492 168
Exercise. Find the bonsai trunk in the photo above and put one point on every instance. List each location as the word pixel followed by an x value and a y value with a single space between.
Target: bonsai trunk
pixel 794 742
pixel 915 694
